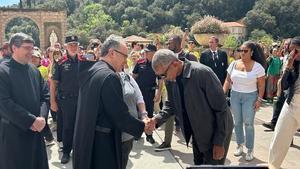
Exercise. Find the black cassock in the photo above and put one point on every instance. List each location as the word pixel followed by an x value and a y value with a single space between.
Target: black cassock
pixel 22 99
pixel 101 105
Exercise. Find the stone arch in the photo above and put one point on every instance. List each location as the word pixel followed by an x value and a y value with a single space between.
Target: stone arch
pixel 42 18
pixel 8 20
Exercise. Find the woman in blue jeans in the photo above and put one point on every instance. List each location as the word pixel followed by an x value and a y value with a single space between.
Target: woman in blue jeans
pixel 246 77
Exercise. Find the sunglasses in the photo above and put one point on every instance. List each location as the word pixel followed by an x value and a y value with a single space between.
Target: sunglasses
pixel 164 75
pixel 241 50
pixel 123 54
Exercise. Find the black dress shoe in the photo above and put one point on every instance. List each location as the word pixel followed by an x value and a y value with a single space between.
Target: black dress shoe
pixel 150 139
pixel 269 125
pixel 65 158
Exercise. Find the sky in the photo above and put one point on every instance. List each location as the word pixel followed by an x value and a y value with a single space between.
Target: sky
pixel 8 2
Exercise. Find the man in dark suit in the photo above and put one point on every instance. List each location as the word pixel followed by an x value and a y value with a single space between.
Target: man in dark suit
pixel 215 58
pixel 196 97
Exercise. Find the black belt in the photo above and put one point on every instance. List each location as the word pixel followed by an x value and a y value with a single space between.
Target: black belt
pixel 103 129
pixel 70 95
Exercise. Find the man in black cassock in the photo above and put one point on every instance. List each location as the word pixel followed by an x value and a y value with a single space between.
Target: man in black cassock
pixel 22 100
pixel 102 115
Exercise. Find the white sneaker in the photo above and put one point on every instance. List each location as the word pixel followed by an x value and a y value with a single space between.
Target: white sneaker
pixel 249 155
pixel 49 143
pixel 238 151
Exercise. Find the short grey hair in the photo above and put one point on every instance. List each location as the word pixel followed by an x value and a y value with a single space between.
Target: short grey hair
pixel 18 39
pixel 163 57
pixel 113 41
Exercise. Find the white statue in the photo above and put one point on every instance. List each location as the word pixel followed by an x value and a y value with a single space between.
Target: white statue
pixel 53 38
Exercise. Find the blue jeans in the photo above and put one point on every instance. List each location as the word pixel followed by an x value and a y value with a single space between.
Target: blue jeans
pixel 242 105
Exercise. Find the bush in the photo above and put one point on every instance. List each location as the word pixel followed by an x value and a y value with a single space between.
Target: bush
pixel 209 25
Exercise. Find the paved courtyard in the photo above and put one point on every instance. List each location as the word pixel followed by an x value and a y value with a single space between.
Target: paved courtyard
pixel 143 155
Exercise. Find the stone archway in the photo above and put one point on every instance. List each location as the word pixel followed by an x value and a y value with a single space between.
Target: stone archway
pixel 45 20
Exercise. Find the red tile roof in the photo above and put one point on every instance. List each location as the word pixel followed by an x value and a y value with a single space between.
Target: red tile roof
pixel 233 24
pixel 134 38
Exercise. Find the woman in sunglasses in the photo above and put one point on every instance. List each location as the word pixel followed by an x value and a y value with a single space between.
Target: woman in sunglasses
pixel 289 118
pixel 246 77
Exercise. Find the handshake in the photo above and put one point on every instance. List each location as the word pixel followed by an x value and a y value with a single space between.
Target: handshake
pixel 149 125
pixel 38 125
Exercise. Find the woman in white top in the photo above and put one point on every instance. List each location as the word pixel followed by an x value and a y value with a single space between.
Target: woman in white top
pixel 246 77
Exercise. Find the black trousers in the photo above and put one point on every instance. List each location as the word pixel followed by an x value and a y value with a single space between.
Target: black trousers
pixel 68 107
pixel 207 156
pixel 148 96
pixel 126 148
pixel 277 106
pixel 59 125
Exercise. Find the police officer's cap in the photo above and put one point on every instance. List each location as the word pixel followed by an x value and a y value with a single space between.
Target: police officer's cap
pixel 150 48
pixel 71 39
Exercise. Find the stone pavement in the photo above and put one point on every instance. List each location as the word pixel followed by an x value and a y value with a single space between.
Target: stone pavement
pixel 143 155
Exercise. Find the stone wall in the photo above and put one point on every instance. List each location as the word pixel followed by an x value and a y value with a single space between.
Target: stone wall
pixel 40 17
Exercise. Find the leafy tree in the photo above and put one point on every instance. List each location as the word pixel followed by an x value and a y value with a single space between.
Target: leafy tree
pixel 91 22
pixel 277 17
pixel 24 25
pixel 262 37
pixel 231 42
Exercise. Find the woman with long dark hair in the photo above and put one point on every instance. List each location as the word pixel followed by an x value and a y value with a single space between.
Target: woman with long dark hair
pixel 246 77
pixel 289 118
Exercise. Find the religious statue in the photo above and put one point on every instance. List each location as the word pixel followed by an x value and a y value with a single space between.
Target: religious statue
pixel 53 38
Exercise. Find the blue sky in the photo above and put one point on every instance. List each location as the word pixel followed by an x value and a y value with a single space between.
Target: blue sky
pixel 8 2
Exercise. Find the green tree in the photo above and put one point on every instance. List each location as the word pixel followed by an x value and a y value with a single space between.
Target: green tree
pixel 91 22
pixel 24 25
pixel 262 37
pixel 231 42
pixel 277 17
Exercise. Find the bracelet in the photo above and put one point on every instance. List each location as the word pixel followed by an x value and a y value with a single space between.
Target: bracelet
pixel 260 99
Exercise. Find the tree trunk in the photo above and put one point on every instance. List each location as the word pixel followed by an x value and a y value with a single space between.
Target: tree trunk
pixel 21 4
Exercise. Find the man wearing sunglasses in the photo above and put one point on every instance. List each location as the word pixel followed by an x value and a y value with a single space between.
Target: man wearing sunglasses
pixel 196 97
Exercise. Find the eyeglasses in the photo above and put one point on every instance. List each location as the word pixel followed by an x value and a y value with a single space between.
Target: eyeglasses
pixel 241 50
pixel 123 54
pixel 28 48
pixel 164 75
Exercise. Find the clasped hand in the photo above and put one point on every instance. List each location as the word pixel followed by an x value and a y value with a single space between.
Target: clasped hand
pixel 38 125
pixel 149 125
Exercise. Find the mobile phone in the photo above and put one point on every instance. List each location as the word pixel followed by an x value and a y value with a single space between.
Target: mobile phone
pixel 88 56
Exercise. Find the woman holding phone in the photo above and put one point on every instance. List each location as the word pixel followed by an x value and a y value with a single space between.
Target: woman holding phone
pixel 289 118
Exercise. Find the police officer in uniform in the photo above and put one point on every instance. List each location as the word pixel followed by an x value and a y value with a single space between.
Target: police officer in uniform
pixel 65 82
pixel 146 79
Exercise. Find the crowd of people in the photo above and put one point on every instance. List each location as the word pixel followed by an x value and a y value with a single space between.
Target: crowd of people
pixel 104 97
